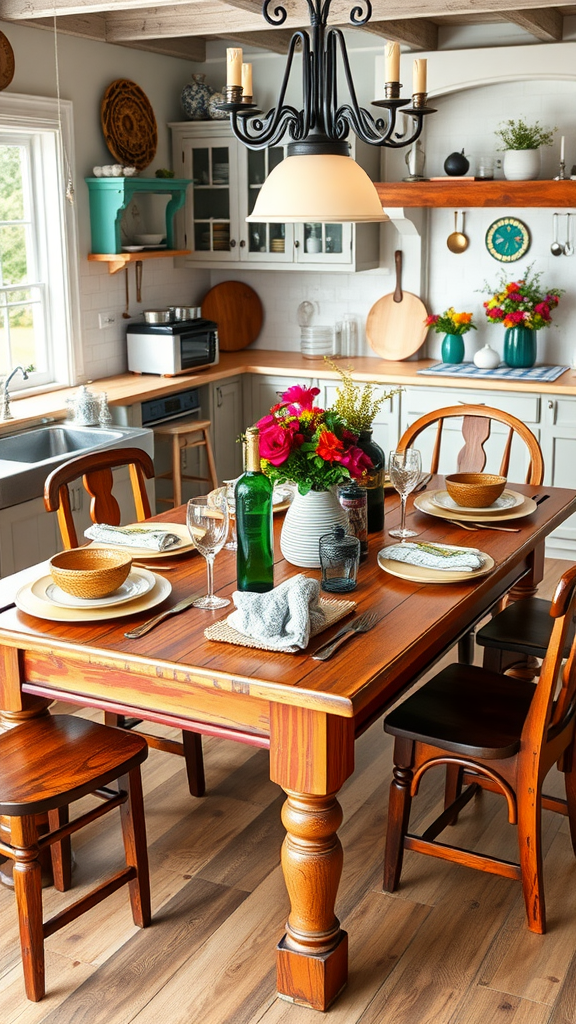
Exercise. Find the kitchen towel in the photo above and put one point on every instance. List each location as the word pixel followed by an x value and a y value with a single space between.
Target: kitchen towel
pixel 282 617
pixel 434 556
pixel 132 536
pixel 334 610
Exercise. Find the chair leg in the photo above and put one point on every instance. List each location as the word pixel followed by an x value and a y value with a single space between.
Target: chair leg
pixel 134 836
pixel 61 853
pixel 466 649
pixel 210 459
pixel 530 843
pixel 453 787
pixel 569 769
pixel 192 742
pixel 398 814
pixel 28 893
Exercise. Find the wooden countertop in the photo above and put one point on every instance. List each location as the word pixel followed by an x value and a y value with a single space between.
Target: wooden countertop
pixel 129 388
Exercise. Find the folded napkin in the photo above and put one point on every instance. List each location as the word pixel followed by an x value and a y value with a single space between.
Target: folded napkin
pixel 434 556
pixel 132 536
pixel 283 617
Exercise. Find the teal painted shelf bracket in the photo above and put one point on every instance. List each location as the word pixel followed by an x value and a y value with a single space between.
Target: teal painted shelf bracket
pixel 109 197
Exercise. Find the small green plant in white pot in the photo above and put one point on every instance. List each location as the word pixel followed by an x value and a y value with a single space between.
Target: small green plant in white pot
pixel 521 143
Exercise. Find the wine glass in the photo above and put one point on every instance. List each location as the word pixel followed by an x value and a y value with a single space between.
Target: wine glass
pixel 405 469
pixel 207 522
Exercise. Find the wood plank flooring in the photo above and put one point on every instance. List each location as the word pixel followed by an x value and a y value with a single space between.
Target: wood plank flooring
pixel 451 947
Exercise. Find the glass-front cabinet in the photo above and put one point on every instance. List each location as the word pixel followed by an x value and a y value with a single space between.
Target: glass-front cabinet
pixel 226 179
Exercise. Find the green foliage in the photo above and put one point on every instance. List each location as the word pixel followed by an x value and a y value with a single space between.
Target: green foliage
pixel 13 257
pixel 357 405
pixel 520 135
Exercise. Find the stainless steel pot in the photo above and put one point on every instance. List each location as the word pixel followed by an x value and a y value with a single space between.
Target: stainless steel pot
pixel 158 316
pixel 186 312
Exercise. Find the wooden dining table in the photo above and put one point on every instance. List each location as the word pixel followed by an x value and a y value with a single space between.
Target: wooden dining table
pixel 308 713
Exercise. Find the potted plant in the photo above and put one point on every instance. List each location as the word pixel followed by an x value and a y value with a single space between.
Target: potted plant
pixel 452 325
pixel 523 307
pixel 521 143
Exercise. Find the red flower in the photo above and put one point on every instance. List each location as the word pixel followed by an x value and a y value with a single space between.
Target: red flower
pixel 515 297
pixel 432 319
pixel 517 317
pixel 277 442
pixel 329 447
pixel 302 397
pixel 543 309
pixel 496 312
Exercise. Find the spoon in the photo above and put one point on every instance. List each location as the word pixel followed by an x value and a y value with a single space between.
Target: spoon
pixel 126 314
pixel 556 249
pixel 457 242
pixel 568 247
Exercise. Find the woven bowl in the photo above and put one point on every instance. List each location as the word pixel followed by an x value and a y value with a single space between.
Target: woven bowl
pixel 475 490
pixel 90 572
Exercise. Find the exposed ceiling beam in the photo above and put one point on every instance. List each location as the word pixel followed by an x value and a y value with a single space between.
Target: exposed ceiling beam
pixel 187 49
pixel 89 26
pixel 544 23
pixel 276 41
pixel 417 33
pixel 23 10
pixel 93 26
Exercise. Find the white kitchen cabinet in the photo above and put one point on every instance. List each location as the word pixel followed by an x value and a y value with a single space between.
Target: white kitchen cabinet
pixel 28 534
pixel 226 414
pixel 226 178
pixel 559 451
pixel 265 391
pixel 385 428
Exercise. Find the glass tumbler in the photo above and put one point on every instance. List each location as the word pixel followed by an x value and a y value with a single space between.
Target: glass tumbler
pixel 339 559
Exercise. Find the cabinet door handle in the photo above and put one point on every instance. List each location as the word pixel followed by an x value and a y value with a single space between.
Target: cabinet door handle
pixel 232 243
pixel 550 403
pixel 242 243
pixel 296 244
pixel 461 402
pixel 218 397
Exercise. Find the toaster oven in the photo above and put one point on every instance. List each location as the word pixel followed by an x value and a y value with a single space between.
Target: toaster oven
pixel 169 349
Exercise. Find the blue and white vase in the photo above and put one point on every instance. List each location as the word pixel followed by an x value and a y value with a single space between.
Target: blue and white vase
pixel 213 113
pixel 194 99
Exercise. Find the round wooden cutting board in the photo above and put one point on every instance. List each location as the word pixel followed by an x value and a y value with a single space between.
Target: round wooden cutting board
pixel 395 326
pixel 237 310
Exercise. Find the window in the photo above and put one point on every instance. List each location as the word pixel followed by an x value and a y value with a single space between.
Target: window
pixel 38 265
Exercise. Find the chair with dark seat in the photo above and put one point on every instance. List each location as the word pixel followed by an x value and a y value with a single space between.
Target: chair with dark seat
pixel 498 733
pixel 46 764
pixel 95 470
pixel 476 430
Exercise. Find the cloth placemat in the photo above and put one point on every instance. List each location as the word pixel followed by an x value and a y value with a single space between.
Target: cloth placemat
pixel 333 609
pixel 546 374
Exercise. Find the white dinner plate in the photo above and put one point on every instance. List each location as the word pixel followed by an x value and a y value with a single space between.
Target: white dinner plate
pixel 424 503
pixel 507 501
pixel 138 583
pixel 132 248
pixel 185 542
pixel 26 601
pixel 421 574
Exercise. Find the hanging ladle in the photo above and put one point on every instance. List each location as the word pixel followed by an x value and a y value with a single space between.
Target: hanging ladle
pixel 138 280
pixel 457 242
pixel 556 249
pixel 568 247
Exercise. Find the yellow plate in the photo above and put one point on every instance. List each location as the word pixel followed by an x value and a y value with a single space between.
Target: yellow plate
pixel 424 504
pixel 420 574
pixel 147 553
pixel 26 601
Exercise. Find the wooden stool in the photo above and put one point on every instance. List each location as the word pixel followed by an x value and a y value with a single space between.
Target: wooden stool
pixel 184 434
pixel 45 764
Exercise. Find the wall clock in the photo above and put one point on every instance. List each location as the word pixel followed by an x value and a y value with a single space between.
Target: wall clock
pixel 507 239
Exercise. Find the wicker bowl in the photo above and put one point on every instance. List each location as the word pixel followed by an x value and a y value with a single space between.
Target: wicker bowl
pixel 475 490
pixel 90 572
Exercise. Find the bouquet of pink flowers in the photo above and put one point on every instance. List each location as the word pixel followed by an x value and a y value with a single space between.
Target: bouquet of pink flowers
pixel 312 447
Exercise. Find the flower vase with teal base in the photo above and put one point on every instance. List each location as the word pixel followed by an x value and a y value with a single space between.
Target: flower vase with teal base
pixel 453 348
pixel 520 347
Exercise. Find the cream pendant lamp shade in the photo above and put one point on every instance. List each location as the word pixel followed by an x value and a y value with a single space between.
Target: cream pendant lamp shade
pixel 322 188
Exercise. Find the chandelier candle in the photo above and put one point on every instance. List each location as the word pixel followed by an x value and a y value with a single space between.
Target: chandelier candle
pixel 246 83
pixel 233 66
pixel 253 497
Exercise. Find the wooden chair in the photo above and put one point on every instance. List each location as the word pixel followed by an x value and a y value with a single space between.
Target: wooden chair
pixel 45 764
pixel 96 472
pixel 500 734
pixel 185 434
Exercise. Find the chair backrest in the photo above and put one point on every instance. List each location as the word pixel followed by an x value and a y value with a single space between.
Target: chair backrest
pixel 476 426
pixel 96 472
pixel 552 709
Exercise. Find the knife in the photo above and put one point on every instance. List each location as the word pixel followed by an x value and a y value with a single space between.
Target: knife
pixel 134 634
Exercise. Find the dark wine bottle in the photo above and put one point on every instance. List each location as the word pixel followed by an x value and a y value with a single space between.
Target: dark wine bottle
pixel 253 497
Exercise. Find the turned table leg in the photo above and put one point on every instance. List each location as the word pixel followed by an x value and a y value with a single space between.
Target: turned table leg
pixel 311 755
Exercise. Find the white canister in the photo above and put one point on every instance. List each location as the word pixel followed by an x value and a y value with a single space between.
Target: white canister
pixel 486 358
pixel 521 164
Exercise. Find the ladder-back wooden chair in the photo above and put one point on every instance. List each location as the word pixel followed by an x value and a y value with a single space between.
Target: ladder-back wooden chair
pixel 500 734
pixel 95 470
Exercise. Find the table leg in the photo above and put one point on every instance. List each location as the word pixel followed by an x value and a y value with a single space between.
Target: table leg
pixel 311 755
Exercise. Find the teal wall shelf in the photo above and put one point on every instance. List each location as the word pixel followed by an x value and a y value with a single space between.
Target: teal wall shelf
pixel 109 197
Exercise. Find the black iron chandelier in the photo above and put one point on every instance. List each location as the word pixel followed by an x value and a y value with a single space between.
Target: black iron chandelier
pixel 321 127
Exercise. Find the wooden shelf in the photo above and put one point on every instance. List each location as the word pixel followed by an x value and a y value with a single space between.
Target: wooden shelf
pixel 117 260
pixel 477 193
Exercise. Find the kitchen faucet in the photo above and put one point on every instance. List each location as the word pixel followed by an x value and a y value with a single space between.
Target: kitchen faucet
pixel 5 413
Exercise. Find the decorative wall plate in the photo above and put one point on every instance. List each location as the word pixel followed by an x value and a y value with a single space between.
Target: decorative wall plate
pixel 7 63
pixel 129 124
pixel 507 239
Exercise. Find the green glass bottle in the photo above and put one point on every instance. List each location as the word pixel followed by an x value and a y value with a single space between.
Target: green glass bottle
pixel 253 497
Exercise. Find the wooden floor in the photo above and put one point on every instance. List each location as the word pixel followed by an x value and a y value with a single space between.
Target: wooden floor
pixel 450 946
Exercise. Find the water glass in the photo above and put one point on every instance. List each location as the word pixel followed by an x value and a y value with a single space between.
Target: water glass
pixel 405 470
pixel 207 522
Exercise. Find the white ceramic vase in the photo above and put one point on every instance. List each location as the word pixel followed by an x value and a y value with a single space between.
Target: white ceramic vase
pixel 308 518
pixel 486 358
pixel 521 164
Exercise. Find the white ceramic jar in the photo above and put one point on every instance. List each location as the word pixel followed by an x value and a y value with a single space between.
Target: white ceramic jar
pixel 521 164
pixel 486 358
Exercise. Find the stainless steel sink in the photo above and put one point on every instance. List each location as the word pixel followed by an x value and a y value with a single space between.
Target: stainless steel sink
pixel 28 456
pixel 51 442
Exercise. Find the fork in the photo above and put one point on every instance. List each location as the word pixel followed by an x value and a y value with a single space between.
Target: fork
pixel 360 625
pixel 477 526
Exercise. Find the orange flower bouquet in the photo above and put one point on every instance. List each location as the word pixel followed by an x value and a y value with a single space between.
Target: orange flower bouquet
pixel 450 322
